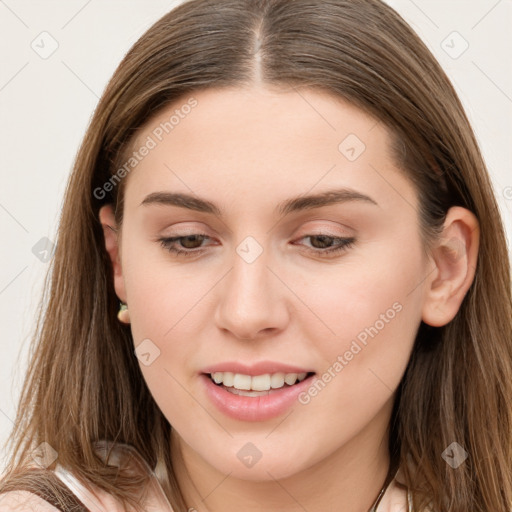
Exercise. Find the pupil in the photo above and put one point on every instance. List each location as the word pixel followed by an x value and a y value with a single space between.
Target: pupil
pixel 191 239
pixel 323 240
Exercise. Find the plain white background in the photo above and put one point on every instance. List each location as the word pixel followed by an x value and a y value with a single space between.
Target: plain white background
pixel 46 102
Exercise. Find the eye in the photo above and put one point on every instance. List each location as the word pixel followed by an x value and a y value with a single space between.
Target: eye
pixel 187 245
pixel 325 244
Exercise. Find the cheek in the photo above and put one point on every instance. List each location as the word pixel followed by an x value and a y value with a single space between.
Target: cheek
pixel 372 296
pixel 163 303
pixel 375 314
pixel 160 290
pixel 373 310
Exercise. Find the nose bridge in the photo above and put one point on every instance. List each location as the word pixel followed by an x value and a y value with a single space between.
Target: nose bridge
pixel 250 299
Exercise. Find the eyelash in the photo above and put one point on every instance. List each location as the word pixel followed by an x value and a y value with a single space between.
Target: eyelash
pixel 343 245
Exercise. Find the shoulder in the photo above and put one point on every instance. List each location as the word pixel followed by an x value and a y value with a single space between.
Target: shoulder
pixel 24 501
pixel 87 494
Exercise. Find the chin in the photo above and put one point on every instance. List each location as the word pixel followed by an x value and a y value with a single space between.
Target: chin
pixel 266 463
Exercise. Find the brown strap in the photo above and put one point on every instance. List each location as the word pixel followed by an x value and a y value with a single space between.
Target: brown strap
pixel 55 494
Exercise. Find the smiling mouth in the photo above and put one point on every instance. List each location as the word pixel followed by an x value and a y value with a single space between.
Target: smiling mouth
pixel 257 385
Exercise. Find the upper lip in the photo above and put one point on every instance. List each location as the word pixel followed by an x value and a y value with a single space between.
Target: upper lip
pixel 259 368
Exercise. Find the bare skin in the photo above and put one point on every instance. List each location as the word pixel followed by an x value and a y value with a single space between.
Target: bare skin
pixel 246 150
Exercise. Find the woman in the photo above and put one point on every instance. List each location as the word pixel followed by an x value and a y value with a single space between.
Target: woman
pixel 281 280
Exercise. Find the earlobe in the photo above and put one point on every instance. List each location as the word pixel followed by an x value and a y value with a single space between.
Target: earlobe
pixel 454 257
pixel 111 236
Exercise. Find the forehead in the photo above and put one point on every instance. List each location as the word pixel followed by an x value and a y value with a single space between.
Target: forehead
pixel 257 138
pixel 234 113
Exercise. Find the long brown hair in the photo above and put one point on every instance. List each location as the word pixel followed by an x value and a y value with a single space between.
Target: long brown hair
pixel 84 383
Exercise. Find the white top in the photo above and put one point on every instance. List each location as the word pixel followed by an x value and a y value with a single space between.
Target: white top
pixel 395 499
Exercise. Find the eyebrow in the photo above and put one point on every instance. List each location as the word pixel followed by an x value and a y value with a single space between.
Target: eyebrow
pixel 294 204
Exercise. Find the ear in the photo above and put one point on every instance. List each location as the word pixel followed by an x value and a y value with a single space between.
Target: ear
pixel 454 256
pixel 112 246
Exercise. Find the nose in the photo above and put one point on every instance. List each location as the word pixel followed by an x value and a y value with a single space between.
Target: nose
pixel 252 300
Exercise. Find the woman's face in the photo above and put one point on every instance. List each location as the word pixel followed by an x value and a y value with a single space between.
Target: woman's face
pixel 258 287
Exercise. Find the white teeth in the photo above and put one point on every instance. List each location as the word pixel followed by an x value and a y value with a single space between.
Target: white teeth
pixel 260 382
pixel 257 382
pixel 290 378
pixel 242 381
pixel 226 378
pixel 277 380
pixel 217 377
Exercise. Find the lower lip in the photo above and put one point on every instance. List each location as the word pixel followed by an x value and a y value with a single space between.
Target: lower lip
pixel 254 408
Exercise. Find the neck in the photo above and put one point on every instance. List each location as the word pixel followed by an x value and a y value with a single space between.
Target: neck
pixel 349 479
